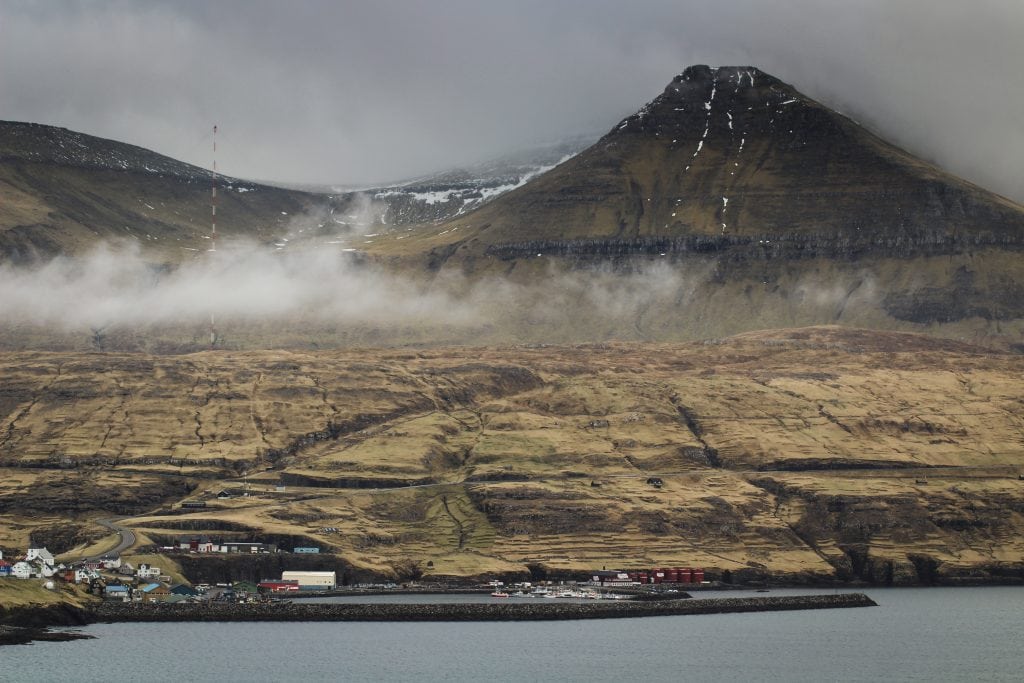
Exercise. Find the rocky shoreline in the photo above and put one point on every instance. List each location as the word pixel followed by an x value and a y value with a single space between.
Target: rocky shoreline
pixel 18 635
pixel 21 625
pixel 286 611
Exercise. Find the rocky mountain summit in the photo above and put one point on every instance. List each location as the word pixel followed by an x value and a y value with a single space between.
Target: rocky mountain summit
pixel 776 208
pixel 734 160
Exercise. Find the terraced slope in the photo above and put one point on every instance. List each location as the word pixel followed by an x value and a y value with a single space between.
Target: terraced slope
pixel 815 453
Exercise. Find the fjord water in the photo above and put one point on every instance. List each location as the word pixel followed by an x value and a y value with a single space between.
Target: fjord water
pixel 933 634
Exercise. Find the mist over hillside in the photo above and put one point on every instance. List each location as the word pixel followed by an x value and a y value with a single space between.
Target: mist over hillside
pixel 730 202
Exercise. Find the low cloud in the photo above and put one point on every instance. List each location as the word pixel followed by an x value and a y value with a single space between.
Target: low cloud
pixel 308 294
pixel 118 286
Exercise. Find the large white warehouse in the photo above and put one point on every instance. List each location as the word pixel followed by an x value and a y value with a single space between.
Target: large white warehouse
pixel 312 581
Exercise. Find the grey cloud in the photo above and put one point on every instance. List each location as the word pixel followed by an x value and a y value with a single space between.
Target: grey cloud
pixel 361 92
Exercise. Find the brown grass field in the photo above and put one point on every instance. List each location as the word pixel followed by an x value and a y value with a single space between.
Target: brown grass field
pixel 818 453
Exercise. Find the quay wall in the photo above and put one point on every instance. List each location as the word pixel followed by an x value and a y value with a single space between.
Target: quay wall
pixel 286 611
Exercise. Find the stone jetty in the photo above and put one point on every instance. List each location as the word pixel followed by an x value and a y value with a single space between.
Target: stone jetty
pixel 287 611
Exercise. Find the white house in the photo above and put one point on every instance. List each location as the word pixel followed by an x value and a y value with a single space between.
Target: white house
pixel 110 562
pixel 22 570
pixel 146 571
pixel 41 554
pixel 85 575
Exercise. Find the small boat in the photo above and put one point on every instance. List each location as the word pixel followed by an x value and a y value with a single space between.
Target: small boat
pixel 500 594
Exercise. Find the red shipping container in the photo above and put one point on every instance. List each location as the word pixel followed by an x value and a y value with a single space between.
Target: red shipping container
pixel 698 575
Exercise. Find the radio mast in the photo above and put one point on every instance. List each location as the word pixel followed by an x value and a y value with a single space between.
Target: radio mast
pixel 213 227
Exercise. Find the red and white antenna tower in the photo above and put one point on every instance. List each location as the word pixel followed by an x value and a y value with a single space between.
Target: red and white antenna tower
pixel 213 195
pixel 213 227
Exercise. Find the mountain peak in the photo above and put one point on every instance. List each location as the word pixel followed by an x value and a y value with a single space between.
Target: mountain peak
pixel 732 159
pixel 715 97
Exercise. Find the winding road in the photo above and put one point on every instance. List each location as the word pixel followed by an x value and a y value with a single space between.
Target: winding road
pixel 126 538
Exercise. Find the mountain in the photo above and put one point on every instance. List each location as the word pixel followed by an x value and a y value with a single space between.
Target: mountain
pixel 65 191
pixel 779 210
pixel 731 160
pixel 729 203
pixel 452 193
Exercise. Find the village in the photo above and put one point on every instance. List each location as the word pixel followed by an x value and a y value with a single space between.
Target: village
pixel 114 579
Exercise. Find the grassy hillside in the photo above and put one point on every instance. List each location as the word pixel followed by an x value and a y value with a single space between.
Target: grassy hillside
pixel 16 593
pixel 814 453
pixel 65 192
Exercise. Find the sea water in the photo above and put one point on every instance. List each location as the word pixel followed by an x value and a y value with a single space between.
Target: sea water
pixel 927 634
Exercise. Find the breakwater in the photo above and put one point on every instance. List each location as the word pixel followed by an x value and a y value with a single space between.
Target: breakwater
pixel 286 611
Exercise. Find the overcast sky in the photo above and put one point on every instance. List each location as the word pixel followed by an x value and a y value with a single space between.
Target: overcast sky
pixel 361 92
